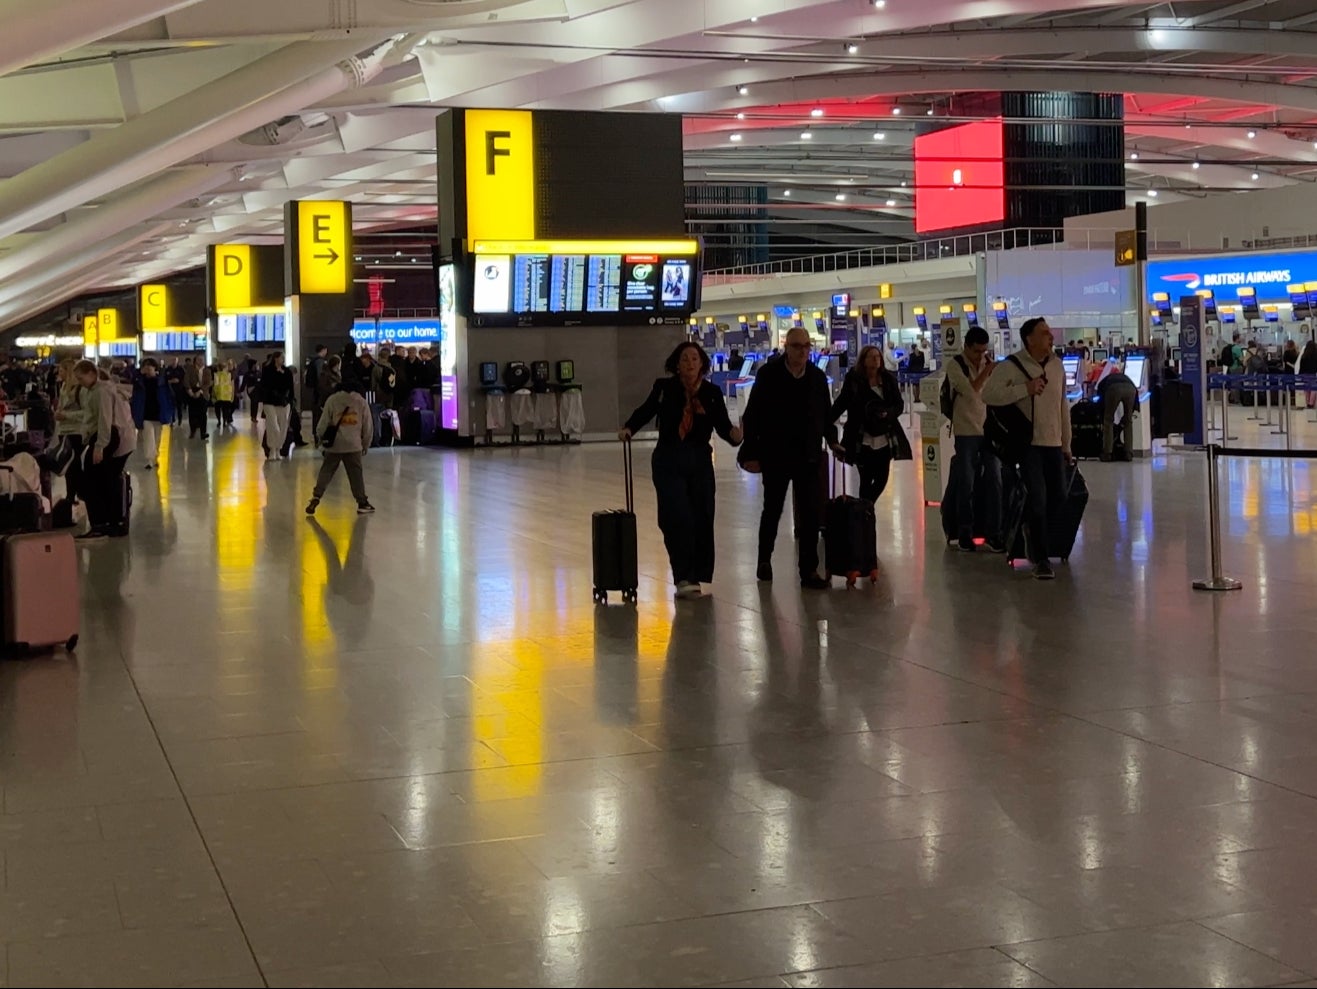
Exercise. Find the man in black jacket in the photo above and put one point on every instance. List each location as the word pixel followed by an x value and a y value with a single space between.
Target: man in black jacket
pixel 785 422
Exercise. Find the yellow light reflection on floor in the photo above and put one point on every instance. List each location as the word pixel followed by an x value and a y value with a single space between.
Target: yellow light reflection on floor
pixel 239 520
pixel 322 550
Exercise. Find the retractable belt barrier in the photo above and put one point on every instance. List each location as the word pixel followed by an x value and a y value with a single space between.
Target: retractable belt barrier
pixel 1218 581
pixel 1287 385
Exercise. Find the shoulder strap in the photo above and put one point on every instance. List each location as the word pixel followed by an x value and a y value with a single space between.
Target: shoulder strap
pixel 1016 361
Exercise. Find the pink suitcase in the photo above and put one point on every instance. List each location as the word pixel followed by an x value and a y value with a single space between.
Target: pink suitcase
pixel 39 585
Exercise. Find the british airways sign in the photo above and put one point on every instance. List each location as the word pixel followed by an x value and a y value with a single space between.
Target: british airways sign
pixel 1270 274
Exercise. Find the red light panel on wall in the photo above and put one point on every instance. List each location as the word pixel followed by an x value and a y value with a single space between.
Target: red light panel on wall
pixel 960 177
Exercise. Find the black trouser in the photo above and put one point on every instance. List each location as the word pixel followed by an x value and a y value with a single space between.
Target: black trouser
pixel 684 484
pixel 180 403
pixel 196 416
pixel 73 477
pixel 875 467
pixel 102 490
pixel 1044 479
pixel 223 413
pixel 803 478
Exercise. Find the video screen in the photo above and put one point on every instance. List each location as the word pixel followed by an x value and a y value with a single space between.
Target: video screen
pixel 1175 355
pixel 1071 365
pixel 960 176
pixel 1136 368
pixel 557 289
pixel 921 319
pixel 1003 315
pixel 1299 301
pixel 1209 303
pixel 1248 301
pixel 169 341
pixel 971 317
pixel 1100 355
pixel 257 328
pixel 1271 314
pixel 1227 315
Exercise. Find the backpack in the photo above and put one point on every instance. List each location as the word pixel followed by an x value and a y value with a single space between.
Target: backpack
pixel 309 376
pixel 1007 429
pixel 946 397
pixel 1227 356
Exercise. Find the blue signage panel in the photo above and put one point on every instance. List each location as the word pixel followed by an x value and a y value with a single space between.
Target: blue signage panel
pixel 1270 274
pixel 409 332
pixel 1193 366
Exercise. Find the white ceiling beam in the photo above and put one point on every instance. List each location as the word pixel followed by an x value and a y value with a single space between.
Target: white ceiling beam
pixel 1223 13
pixel 35 30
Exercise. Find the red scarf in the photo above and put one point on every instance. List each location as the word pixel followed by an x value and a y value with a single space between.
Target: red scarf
pixel 693 408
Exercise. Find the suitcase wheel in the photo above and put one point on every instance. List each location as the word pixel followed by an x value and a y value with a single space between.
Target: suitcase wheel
pixel 600 597
pixel 631 596
pixel 851 578
pixel 72 643
pixel 873 576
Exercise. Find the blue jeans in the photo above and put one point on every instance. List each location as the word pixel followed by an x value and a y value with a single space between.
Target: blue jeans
pixel 974 458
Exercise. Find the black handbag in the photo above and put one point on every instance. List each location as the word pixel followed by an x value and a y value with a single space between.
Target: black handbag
pixel 1007 429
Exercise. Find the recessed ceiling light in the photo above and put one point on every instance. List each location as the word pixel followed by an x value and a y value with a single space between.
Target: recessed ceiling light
pixel 891 202
pixel 1196 165
pixel 754 20
pixel 1134 156
pixel 1188 126
pixel 880 136
pixel 743 90
pixel 1256 176
pixel 1156 35
pixel 1252 134
pixel 896 111
pixel 1152 193
pixel 816 112
pixel 852 49
pixel 806 135
pixel 840 197
pixel 786 192
pixel 929 112
pixel 735 137
pixel 880 4
pixel 903 183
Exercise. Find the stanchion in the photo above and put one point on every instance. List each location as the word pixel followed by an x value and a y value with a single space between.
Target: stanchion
pixel 1225 416
pixel 1218 581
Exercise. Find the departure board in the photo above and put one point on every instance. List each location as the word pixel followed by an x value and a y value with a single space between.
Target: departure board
pixel 553 286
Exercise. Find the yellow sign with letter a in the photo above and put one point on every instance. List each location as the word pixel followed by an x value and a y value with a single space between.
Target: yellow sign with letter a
pixel 500 175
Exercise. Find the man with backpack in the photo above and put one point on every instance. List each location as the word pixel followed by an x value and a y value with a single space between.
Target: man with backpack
pixel 977 469
pixel 1032 382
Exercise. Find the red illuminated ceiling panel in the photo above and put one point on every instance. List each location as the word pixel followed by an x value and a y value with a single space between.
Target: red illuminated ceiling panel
pixel 960 177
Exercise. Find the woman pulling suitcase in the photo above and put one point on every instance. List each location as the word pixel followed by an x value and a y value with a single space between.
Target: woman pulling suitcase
pixel 689 410
pixel 871 437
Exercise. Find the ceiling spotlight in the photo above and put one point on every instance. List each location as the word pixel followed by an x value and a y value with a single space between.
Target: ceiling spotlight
pixel 1252 134
pixel 397 254
pixel 903 183
pixel 787 193
pixel 740 116
pixel 755 19
pixel 1188 126
pixel 735 137
pixel 852 49
pixel 880 4
pixel 891 202
pixel 806 135
pixel 1256 176
pixel 1156 35
pixel 1152 193
pixel 880 136
pixel 840 197
pixel 896 111
pixel 1134 156
pixel 816 112
pixel 928 112
pixel 743 90
pixel 1196 165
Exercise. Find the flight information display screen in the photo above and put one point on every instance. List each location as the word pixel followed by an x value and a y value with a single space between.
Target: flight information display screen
pixel 172 340
pixel 565 287
pixel 251 328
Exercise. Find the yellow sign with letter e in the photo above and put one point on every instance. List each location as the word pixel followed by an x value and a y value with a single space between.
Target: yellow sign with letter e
pixel 324 247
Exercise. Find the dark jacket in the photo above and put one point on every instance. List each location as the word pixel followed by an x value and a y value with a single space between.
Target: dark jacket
pixel 163 391
pixel 667 401
pixel 277 386
pixel 1113 380
pixel 329 381
pixel 865 411
pixel 787 418
pixel 1308 362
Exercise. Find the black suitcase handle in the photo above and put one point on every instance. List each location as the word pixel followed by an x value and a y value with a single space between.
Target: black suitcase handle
pixel 628 477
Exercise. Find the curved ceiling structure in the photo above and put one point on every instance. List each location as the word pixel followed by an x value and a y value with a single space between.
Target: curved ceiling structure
pixel 133 133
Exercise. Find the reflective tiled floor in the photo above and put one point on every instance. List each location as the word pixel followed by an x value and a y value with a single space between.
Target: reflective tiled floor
pixel 408 750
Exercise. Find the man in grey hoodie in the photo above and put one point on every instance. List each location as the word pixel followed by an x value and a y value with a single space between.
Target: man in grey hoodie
pixel 344 432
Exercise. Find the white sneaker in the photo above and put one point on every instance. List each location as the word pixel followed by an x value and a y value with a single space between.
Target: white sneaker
pixel 688 589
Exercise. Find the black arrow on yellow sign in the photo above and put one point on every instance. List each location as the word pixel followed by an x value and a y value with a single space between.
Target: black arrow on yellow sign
pixel 331 257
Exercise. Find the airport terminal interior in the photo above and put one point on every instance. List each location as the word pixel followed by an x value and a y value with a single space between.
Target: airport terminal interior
pixel 413 741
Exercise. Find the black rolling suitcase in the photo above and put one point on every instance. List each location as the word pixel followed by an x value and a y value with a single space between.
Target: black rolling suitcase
pixel 614 538
pixel 1063 527
pixel 950 518
pixel 850 538
pixel 1086 429
pixel 123 509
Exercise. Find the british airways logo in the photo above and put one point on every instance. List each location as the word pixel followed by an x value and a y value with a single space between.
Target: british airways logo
pixel 1193 281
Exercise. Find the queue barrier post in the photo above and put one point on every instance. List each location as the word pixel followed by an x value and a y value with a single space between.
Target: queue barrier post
pixel 1218 581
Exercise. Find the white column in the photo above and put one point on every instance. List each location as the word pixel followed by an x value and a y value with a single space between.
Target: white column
pixel 35 30
pixel 144 202
pixel 277 85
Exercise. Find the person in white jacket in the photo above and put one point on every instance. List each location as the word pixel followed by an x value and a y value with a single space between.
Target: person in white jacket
pixel 345 432
pixel 1033 380
pixel 114 438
